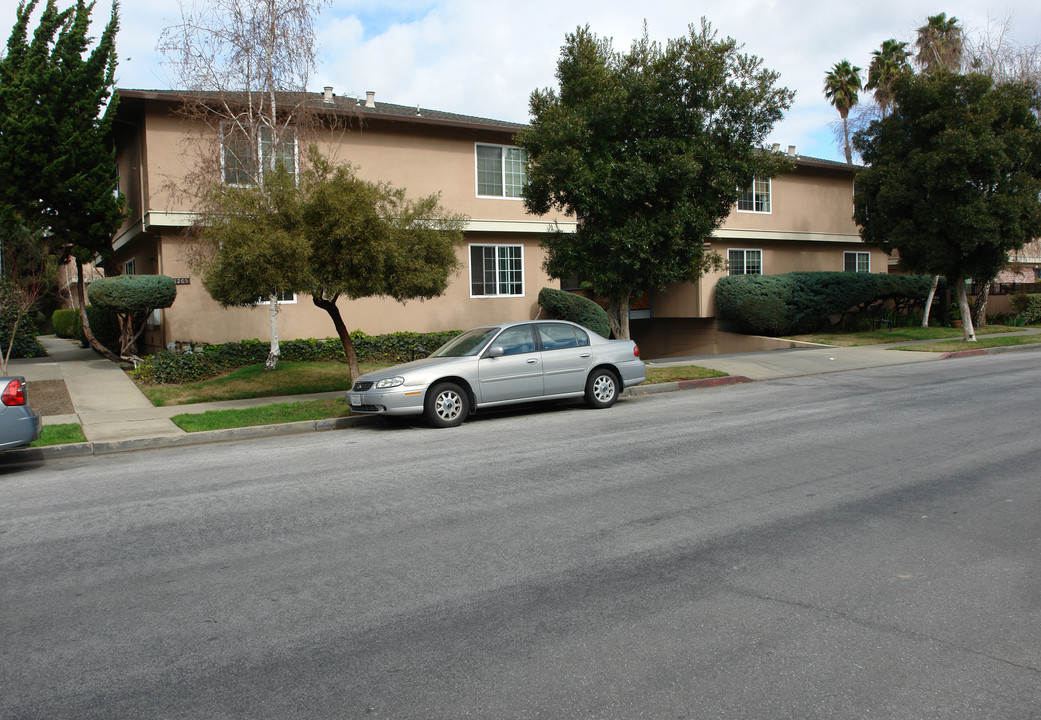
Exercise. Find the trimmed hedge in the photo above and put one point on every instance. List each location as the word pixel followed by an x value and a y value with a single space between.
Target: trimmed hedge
pixel 66 322
pixel 806 301
pixel 562 305
pixel 167 367
pixel 135 295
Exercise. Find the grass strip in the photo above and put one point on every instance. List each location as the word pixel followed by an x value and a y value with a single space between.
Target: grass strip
pixel 684 372
pixel 60 434
pixel 253 381
pixel 981 343
pixel 262 415
pixel 898 334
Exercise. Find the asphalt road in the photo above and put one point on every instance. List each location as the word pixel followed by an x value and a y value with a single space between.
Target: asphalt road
pixel 853 545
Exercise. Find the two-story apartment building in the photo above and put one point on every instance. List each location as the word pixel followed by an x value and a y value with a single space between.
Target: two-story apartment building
pixel 801 221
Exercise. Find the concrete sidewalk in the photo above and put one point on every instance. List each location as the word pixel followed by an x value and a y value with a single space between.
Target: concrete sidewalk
pixel 116 416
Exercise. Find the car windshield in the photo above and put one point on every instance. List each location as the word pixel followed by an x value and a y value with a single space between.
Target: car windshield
pixel 467 344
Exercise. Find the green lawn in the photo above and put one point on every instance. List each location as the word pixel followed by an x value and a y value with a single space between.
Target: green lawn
pixel 900 334
pixel 959 345
pixel 685 372
pixel 60 435
pixel 263 415
pixel 252 381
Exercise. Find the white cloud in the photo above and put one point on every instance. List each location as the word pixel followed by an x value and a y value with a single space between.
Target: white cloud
pixel 484 58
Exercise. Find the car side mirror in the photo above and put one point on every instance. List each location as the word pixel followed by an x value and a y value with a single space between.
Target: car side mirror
pixel 496 351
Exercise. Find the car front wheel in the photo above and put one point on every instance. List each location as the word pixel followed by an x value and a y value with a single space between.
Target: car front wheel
pixel 446 405
pixel 601 389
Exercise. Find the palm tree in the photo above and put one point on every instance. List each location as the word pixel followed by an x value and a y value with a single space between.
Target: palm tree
pixel 840 87
pixel 939 45
pixel 887 64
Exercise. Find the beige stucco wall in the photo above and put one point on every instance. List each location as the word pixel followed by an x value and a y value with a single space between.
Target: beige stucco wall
pixel 808 200
pixel 195 316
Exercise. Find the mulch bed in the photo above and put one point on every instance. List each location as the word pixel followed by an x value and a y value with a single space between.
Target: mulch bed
pixel 50 397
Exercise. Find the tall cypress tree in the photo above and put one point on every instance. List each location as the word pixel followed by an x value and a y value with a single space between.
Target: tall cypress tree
pixel 58 166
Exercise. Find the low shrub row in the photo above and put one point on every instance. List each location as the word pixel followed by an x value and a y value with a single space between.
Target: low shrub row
pixel 562 305
pixel 1027 307
pixel 103 323
pixel 808 301
pixel 206 361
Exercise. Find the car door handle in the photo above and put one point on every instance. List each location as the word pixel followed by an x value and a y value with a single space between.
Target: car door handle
pixel 585 355
pixel 532 361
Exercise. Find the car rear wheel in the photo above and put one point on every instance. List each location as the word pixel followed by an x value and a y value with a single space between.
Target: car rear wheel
pixel 601 389
pixel 446 405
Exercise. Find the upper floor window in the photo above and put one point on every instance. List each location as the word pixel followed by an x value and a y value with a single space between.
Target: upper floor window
pixel 243 161
pixel 856 261
pixel 130 267
pixel 755 198
pixel 496 270
pixel 745 262
pixel 502 170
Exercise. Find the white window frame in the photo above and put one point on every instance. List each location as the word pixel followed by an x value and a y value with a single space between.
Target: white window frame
pixel 858 254
pixel 744 261
pixel 130 267
pixel 500 281
pixel 502 172
pixel 290 301
pixel 758 184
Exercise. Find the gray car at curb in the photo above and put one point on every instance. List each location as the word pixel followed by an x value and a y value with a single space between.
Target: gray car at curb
pixel 503 364
pixel 19 425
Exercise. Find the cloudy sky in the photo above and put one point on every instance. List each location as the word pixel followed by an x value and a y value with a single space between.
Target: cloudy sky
pixel 484 57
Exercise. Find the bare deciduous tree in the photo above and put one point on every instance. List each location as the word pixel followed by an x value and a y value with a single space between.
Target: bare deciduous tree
pixel 244 66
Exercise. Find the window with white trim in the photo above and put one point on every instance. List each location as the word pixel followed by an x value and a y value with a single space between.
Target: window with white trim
pixel 755 198
pixel 130 267
pixel 244 162
pixel 496 270
pixel 502 171
pixel 284 298
pixel 745 262
pixel 856 261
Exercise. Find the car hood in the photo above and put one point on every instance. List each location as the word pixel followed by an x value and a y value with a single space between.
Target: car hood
pixel 411 368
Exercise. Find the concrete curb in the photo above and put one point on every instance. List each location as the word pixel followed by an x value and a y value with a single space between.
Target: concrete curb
pixel 306 426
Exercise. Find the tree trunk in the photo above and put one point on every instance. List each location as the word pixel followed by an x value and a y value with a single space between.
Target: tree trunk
pixel 969 334
pixel 979 313
pixel 87 334
pixel 272 356
pixel 341 330
pixel 929 301
pixel 845 133
pixel 618 316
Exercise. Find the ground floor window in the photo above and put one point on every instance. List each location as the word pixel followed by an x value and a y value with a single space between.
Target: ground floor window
pixel 856 261
pixel 745 262
pixel 496 270
pixel 285 298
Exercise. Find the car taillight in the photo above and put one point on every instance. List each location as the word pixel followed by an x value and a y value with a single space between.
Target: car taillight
pixel 14 393
pixel 636 350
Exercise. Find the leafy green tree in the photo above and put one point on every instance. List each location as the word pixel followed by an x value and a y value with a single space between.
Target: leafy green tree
pixel 59 171
pixel 953 176
pixel 335 235
pixel 939 45
pixel 887 64
pixel 841 85
pixel 368 239
pixel 650 150
pixel 132 298
pixel 251 244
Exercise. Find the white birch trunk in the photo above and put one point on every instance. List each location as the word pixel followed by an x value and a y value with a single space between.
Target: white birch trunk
pixel 929 301
pixel 272 357
pixel 966 314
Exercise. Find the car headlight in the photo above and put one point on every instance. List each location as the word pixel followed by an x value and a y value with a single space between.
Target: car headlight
pixel 390 382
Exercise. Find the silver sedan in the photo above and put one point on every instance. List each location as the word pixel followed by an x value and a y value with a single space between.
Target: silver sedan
pixel 500 365
pixel 19 425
